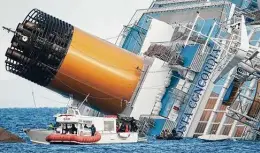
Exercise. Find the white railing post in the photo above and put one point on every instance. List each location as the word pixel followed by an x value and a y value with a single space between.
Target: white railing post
pixel 192 29
pixel 208 37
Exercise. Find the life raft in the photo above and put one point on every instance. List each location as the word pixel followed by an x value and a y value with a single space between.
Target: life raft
pixel 71 138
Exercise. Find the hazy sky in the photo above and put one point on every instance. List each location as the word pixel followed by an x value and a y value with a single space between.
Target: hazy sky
pixel 103 18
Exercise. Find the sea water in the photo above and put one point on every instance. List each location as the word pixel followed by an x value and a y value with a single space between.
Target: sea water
pixel 15 120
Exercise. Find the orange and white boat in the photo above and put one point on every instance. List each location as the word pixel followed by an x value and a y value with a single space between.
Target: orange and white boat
pixel 106 131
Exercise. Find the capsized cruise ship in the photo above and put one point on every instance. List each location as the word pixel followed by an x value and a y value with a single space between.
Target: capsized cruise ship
pixel 192 65
pixel 211 48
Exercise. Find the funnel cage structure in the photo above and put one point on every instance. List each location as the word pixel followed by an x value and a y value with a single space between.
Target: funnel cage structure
pixel 38 47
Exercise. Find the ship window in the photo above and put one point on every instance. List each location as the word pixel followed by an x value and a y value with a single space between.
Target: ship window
pixel 77 113
pixel 109 126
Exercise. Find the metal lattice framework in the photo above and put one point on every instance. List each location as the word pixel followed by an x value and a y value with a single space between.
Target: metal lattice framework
pixel 38 47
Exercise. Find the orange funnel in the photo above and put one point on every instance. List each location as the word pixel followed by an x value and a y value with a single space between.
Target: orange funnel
pixel 63 58
pixel 94 66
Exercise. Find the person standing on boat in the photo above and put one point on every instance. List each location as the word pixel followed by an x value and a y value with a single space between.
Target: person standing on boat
pixel 65 129
pixel 117 126
pixel 133 125
pixel 174 133
pixel 73 129
pixel 93 130
pixel 163 134
pixel 122 128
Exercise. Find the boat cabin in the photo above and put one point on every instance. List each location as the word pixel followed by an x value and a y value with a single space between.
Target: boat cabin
pixel 74 123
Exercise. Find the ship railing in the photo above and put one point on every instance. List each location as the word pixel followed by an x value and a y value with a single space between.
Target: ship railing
pixel 133 21
pixel 139 13
pixel 162 2
pixel 179 95
pixel 248 12
pixel 193 6
pixel 166 3
pixel 196 35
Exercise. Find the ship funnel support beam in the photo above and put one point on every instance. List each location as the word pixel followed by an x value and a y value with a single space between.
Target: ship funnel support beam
pixel 38 47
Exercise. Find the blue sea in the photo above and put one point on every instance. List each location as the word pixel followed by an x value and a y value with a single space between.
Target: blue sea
pixel 15 120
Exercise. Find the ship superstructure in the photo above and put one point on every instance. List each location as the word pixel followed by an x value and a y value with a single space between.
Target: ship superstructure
pixel 192 65
pixel 212 90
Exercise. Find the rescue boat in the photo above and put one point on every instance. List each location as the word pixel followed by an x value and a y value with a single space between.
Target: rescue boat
pixel 106 130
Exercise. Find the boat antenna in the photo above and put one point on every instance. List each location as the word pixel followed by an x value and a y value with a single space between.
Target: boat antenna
pixel 33 97
pixel 86 99
pixel 25 38
pixel 70 102
pixel 9 29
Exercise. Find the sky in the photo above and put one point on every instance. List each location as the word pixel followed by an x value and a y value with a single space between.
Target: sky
pixel 103 18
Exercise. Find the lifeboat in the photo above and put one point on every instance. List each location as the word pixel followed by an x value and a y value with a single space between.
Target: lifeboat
pixel 71 138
